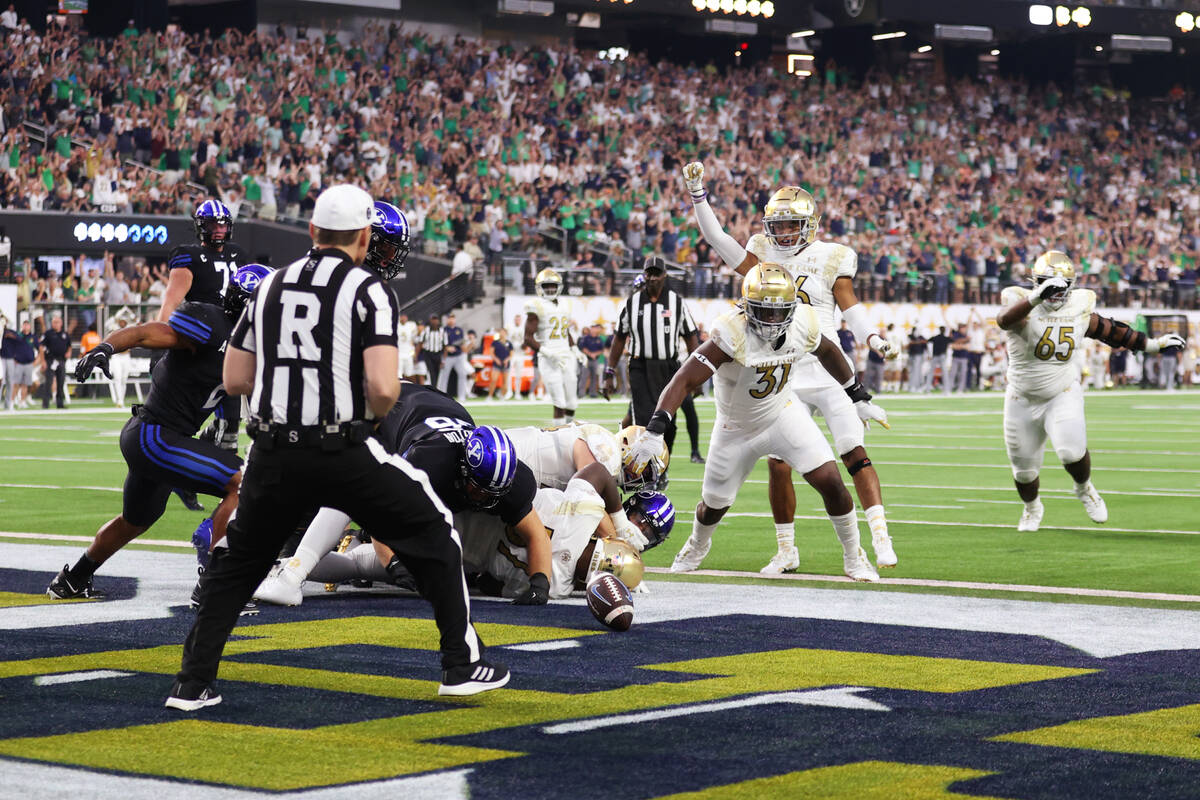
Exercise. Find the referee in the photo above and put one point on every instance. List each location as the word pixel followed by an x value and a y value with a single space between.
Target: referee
pixel 653 319
pixel 316 352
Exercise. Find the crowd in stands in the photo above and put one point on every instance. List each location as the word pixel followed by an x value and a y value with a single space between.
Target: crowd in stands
pixel 946 188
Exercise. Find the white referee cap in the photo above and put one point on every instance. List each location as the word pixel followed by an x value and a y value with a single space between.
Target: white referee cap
pixel 343 208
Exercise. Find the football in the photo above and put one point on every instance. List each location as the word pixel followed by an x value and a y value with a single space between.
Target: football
pixel 610 602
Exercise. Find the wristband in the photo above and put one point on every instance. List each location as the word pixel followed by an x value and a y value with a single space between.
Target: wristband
pixel 659 422
pixel 857 392
pixel 699 198
pixel 609 371
pixel 106 348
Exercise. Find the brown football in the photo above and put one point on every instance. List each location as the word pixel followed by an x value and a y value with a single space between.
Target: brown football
pixel 609 601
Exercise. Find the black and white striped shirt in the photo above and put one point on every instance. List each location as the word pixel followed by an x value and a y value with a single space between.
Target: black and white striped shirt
pixel 434 340
pixel 654 327
pixel 308 325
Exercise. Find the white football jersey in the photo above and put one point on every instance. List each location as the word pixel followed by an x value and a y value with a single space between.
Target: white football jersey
pixel 406 337
pixel 754 387
pixel 550 452
pixel 815 268
pixel 554 323
pixel 1043 352
pixel 571 516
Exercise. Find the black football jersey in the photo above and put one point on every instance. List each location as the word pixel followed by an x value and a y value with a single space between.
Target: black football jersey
pixel 211 271
pixel 186 384
pixel 428 429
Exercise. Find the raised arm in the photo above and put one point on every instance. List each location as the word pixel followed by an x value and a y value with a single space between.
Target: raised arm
pixel 1117 334
pixel 724 245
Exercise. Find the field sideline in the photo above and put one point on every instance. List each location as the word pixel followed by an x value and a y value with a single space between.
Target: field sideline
pixel 988 664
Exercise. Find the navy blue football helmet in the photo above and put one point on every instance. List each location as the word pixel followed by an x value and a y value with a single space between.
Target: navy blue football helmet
pixel 655 515
pixel 214 223
pixel 389 241
pixel 242 286
pixel 491 466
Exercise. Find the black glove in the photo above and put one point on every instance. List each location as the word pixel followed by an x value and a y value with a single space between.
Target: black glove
pixel 96 357
pixel 538 593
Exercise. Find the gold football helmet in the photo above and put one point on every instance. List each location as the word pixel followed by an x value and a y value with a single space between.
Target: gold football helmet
pixel 1054 264
pixel 548 283
pixel 654 473
pixel 769 299
pixel 619 558
pixel 790 218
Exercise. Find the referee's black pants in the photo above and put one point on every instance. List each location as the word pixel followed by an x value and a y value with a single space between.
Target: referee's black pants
pixel 647 379
pixel 389 498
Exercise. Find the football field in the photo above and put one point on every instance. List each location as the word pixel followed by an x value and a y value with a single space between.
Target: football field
pixel 989 663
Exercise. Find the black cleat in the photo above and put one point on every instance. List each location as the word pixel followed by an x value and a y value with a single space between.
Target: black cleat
pixel 480 676
pixel 63 588
pixel 697 458
pixel 189 499
pixel 191 697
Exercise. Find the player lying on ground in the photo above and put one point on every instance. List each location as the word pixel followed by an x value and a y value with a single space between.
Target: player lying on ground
pixel 467 467
pixel 1044 397
pixel 824 276
pixel 158 442
pixel 750 355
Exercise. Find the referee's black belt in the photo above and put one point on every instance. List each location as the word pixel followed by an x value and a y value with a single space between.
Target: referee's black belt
pixel 270 435
pixel 139 411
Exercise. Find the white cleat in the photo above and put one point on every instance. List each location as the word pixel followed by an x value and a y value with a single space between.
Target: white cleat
pixel 786 560
pixel 691 555
pixel 1093 504
pixel 885 555
pixel 858 567
pixel 1031 518
pixel 281 587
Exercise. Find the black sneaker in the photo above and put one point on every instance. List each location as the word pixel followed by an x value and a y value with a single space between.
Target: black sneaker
pixel 697 458
pixel 248 610
pixel 480 676
pixel 189 499
pixel 192 697
pixel 63 588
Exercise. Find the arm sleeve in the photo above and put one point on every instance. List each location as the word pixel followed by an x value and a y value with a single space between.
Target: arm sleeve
pixel 377 310
pixel 856 320
pixel 724 245
pixel 202 323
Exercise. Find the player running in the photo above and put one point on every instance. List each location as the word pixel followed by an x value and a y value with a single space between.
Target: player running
pixel 158 440
pixel 1045 325
pixel 750 355
pixel 548 334
pixel 824 276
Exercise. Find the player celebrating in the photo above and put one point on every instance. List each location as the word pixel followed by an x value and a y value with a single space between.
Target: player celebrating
pixel 1043 395
pixel 548 334
pixel 824 276
pixel 157 441
pixel 751 354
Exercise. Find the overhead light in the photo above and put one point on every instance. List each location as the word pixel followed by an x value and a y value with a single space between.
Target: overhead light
pixel 1144 44
pixel 727 6
pixel 1099 49
pixel 925 48
pixel 1062 16
pixel 994 53
pixel 1185 22
pixel 963 33
pixel 801 57
pixel 768 9
pixel 698 5
pixel 802 34
pixel 1041 15
pixel 739 7
pixel 879 37
pixel 803 73
pixel 1081 17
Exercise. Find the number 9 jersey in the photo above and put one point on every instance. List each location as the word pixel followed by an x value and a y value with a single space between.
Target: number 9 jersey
pixel 1043 352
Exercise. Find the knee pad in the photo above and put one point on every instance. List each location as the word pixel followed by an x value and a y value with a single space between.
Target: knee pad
pixel 858 466
pixel 1024 474
pixel 1069 455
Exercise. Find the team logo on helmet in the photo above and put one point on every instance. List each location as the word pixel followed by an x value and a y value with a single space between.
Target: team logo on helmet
pixel 491 465
pixel 390 241
pixel 474 452
pixel 242 286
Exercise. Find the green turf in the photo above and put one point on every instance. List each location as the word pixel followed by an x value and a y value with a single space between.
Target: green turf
pixel 947 489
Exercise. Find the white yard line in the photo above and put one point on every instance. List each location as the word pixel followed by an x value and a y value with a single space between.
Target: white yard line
pixel 79 459
pixel 1011 526
pixel 57 488
pixel 1075 591
pixel 917 505
pixel 63 537
pixel 31 440
pixel 78 677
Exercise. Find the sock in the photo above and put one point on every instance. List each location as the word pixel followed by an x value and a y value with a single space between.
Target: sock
pixel 303 562
pixel 1033 504
pixel 785 535
pixel 1083 488
pixel 84 568
pixel 876 520
pixel 557 421
pixel 846 528
pixel 570 418
pixel 702 534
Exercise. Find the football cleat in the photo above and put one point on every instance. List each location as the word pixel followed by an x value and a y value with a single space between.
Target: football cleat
pixel 858 567
pixel 190 502
pixel 1031 518
pixel 191 698
pixel 697 458
pixel 63 588
pixel 787 559
pixel 473 678
pixel 1093 503
pixel 691 555
pixel 282 586
pixel 885 555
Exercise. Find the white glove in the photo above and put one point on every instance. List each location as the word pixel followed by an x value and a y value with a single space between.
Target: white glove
pixel 644 449
pixel 1170 340
pixel 632 535
pixel 868 412
pixel 580 357
pixel 1051 286
pixel 882 346
pixel 693 179
pixel 641 588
